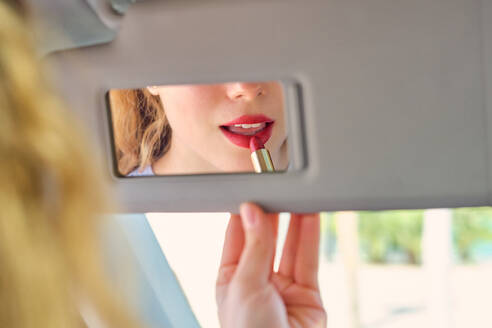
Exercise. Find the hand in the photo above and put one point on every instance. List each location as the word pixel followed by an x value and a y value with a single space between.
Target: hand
pixel 249 293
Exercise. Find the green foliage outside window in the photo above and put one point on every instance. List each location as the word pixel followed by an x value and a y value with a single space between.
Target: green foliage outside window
pixel 384 232
pixel 470 227
pixel 386 235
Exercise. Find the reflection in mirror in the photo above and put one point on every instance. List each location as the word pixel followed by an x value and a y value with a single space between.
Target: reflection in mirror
pixel 199 129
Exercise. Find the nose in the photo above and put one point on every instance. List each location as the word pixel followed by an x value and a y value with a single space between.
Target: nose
pixel 244 91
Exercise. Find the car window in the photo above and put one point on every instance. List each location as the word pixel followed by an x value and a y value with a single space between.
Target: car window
pixel 377 269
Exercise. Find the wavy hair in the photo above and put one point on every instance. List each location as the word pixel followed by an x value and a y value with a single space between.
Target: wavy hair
pixel 50 197
pixel 141 131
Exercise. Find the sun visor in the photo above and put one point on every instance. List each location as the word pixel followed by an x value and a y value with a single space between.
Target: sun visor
pixel 387 103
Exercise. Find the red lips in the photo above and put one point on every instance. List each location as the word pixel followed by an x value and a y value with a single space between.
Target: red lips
pixel 244 140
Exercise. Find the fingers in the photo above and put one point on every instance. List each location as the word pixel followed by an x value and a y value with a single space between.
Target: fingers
pixel 300 255
pixel 287 262
pixel 234 241
pixel 307 257
pixel 250 244
pixel 233 247
pixel 255 264
pixel 274 220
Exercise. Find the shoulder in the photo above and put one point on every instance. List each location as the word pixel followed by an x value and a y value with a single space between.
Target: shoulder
pixel 147 171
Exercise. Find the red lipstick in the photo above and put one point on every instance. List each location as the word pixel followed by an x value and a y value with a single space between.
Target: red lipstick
pixel 260 156
pixel 240 130
pixel 255 144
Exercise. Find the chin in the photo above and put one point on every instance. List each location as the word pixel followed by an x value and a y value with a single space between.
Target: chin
pixel 239 169
pixel 241 165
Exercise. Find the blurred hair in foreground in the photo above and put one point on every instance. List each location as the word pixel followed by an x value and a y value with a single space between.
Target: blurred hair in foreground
pixel 50 196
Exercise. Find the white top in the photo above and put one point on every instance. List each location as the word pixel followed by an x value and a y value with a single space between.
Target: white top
pixel 147 171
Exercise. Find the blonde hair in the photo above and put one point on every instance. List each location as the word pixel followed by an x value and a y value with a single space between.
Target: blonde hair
pixel 50 194
pixel 141 131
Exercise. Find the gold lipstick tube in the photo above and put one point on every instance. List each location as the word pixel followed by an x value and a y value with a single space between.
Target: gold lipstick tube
pixel 262 161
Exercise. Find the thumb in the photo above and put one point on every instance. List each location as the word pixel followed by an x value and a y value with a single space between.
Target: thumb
pixel 255 264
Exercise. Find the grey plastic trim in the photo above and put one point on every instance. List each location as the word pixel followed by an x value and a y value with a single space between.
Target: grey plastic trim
pixel 121 6
pixel 68 24
pixel 154 293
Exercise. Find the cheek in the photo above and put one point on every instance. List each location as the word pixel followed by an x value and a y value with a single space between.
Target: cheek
pixel 278 107
pixel 188 114
pixel 278 100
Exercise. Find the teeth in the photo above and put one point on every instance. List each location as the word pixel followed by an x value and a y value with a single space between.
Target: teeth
pixel 248 126
pixel 247 129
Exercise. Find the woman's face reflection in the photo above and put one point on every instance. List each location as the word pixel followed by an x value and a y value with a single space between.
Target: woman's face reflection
pixel 212 124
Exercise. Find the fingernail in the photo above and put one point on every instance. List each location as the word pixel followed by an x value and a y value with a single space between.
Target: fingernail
pixel 249 215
